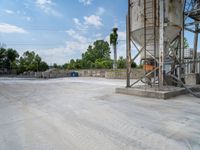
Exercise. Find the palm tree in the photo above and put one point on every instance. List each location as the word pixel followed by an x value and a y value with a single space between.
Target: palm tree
pixel 113 42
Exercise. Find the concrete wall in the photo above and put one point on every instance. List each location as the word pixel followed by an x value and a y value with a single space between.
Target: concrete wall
pixel 30 74
pixel 55 73
pixel 93 73
pixel 111 74
pixel 51 73
pixel 82 73
pixel 121 74
pixel 102 73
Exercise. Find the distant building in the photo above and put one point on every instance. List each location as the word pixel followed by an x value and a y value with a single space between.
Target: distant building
pixel 188 54
pixel 188 59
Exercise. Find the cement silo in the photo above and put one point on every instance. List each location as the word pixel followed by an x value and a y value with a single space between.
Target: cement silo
pixel 142 32
pixel 156 29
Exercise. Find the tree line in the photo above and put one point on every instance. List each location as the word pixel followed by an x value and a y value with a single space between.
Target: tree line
pixel 97 56
pixel 10 61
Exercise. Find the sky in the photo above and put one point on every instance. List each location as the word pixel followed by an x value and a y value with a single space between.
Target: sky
pixel 60 30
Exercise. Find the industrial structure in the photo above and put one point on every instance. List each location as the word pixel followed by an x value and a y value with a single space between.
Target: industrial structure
pixel 156 29
pixel 191 24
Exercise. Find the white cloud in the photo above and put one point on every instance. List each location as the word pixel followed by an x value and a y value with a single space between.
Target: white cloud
pixel 46 6
pixel 86 2
pixel 88 21
pixel 122 36
pixel 60 55
pixel 100 11
pixel 8 28
pixel 79 25
pixel 43 2
pixel 72 49
pixel 76 45
pixel 97 36
pixel 76 36
pixel 93 20
pixel 77 22
pixel 122 44
pixel 9 11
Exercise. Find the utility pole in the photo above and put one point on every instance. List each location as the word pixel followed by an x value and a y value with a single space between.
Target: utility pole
pixel 115 56
pixel 113 42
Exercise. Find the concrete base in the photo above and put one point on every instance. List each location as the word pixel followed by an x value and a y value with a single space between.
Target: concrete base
pixel 166 93
pixel 192 79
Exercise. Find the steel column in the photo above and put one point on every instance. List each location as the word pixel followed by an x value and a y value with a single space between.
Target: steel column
pixel 195 48
pixel 128 45
pixel 161 44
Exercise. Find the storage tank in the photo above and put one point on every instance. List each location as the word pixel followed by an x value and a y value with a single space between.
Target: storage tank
pixel 173 13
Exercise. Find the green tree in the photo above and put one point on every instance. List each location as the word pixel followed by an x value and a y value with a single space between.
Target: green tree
pixel 65 66
pixel 12 55
pixel 78 64
pixel 103 64
pixel 8 58
pixel 186 44
pixel 43 66
pixel 121 63
pixel 100 51
pixel 133 65
pixel 27 62
pixel 72 64
pixel 30 61
pixel 57 66
pixel 96 56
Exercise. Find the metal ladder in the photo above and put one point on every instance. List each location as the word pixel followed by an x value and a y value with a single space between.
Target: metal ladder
pixel 149 23
pixel 150 9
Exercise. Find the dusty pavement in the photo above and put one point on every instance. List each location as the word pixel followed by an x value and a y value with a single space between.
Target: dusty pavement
pixel 86 114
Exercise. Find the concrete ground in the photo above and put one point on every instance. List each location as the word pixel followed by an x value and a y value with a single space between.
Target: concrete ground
pixel 86 114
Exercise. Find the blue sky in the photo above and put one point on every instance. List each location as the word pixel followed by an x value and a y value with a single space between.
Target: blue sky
pixel 60 30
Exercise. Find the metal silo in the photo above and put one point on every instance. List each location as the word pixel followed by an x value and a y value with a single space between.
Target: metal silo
pixel 145 21
pixel 156 29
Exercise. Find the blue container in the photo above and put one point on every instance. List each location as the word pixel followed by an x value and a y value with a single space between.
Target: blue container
pixel 74 74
